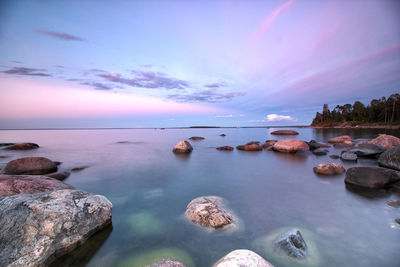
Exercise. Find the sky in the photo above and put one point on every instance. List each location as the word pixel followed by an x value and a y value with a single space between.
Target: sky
pixel 176 63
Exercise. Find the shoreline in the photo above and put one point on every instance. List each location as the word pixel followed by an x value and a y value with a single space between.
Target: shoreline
pixel 391 127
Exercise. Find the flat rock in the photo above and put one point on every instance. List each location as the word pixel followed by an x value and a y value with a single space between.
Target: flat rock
pixel 80 168
pixel 345 139
pixel 209 211
pixel 394 203
pixel 183 147
pixel 292 244
pixel 269 143
pixel 251 147
pixel 348 156
pixel 6 144
pixel 334 156
pixel 28 184
pixel 390 158
pixel 229 148
pixel 59 175
pixel 385 140
pixel 366 150
pixel 329 169
pixel 290 145
pixel 370 177
pixel 30 165
pixel 37 228
pixel 23 146
pixel 242 258
pixel 285 132
pixel 196 138
pixel 320 152
pixel 167 263
pixel 253 143
pixel 222 135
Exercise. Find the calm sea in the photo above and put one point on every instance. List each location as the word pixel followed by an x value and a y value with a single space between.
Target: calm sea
pixel 150 187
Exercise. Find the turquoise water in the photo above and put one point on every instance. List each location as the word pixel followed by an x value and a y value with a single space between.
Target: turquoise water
pixel 150 187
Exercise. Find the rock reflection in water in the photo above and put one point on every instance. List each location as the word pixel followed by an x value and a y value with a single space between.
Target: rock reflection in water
pixel 83 254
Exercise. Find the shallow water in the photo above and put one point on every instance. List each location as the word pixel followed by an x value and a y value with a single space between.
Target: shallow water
pixel 150 187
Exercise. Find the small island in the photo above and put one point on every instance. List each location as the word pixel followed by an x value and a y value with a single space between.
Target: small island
pixel 379 113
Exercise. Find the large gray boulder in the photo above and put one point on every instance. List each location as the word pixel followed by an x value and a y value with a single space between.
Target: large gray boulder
pixel 30 165
pixel 366 150
pixel 37 228
pixel 371 177
pixel 28 184
pixel 390 158
pixel 292 244
pixel 209 211
pixel 242 258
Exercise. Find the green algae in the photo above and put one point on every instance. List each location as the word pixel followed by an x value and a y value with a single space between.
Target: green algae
pixel 153 256
pixel 144 224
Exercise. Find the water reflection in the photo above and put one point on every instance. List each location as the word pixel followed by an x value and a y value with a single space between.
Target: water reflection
pixel 368 192
pixel 82 255
pixel 297 158
pixel 182 156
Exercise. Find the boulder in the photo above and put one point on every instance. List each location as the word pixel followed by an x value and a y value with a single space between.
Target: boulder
pixel 167 263
pixel 225 148
pixel 242 258
pixel 253 143
pixel 80 168
pixel 209 211
pixel 23 146
pixel 183 147
pixel 290 145
pixel 370 177
pixel 292 244
pixel 28 184
pixel 315 145
pixel 329 169
pixel 385 140
pixel 37 228
pixel 366 150
pixel 285 132
pixel 348 156
pixel 397 220
pixel 345 139
pixel 343 145
pixel 394 203
pixel 334 156
pixel 269 143
pixel 59 175
pixel 222 135
pixel 251 147
pixel 320 152
pixel 30 165
pixel 196 138
pixel 390 158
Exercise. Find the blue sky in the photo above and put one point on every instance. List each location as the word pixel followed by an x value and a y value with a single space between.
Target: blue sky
pixel 183 63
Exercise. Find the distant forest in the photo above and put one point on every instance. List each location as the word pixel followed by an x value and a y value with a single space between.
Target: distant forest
pixel 379 111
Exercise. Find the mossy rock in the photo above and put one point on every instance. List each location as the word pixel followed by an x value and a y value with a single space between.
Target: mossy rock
pixel 150 257
pixel 266 245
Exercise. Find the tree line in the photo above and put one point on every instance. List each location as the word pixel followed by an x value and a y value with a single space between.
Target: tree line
pixel 382 111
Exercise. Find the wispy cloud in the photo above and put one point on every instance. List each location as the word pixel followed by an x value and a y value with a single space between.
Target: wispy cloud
pixel 276 117
pixel 214 85
pixel 61 36
pixel 224 116
pixel 209 96
pixel 27 71
pixel 146 79
pixel 98 86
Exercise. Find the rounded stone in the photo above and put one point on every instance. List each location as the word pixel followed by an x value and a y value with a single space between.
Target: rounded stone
pixel 290 145
pixel 242 258
pixel 23 146
pixel 183 147
pixel 284 132
pixel 329 169
pixel 30 165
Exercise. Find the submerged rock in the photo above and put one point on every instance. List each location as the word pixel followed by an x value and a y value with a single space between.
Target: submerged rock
pixel 366 150
pixel 6 144
pixel 196 138
pixel 394 203
pixel 242 258
pixel 320 152
pixel 80 168
pixel 290 145
pixel 269 143
pixel 225 148
pixel 37 228
pixel 209 211
pixel 28 184
pixel 183 147
pixel 387 141
pixel 222 135
pixel 315 145
pixel 348 156
pixel 334 156
pixel 329 169
pixel 345 139
pixel 167 263
pixel 390 158
pixel 30 165
pixel 23 146
pixel 292 244
pixel 250 147
pixel 285 132
pixel 370 177
pixel 59 175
